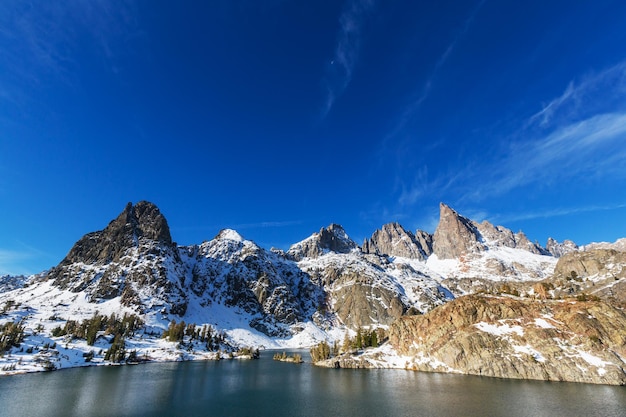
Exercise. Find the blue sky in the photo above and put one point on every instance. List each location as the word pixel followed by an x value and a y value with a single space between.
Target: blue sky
pixel 277 118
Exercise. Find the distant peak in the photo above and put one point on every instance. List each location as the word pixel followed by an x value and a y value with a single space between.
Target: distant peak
pixel 229 234
pixel 394 240
pixel 335 229
pixel 445 209
pixel 332 238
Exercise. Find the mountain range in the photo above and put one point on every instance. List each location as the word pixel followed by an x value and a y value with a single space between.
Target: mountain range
pixel 326 287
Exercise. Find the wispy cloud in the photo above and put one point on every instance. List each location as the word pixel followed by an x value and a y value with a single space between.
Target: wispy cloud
pixel 425 89
pixel 339 70
pixel 593 147
pixel 40 42
pixel 421 184
pixel 586 142
pixel 563 211
pixel 575 139
pixel 581 97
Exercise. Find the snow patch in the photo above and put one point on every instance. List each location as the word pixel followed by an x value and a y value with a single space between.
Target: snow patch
pixel 499 330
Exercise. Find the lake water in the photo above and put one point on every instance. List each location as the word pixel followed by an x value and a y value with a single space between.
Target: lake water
pixel 268 388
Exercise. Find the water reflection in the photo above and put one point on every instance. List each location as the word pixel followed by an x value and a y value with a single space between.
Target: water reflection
pixel 266 387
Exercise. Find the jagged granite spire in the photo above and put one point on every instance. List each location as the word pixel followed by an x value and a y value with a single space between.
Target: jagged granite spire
pixel 455 235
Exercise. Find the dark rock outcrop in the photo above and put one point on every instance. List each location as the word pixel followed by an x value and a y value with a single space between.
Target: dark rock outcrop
pixel 143 220
pixel 238 273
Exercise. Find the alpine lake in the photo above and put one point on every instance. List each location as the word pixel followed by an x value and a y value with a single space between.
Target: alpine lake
pixel 265 387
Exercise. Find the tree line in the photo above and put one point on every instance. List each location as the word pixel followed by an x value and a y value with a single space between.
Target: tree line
pixel 362 339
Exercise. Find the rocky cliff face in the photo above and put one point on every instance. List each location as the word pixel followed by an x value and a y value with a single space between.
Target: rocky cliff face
pixel 393 240
pixel 517 338
pixel 142 221
pixel 326 283
pixel 592 263
pixel 425 241
pixel 236 272
pixel 325 277
pixel 455 235
pixel 358 293
pixel 594 273
pixel 105 264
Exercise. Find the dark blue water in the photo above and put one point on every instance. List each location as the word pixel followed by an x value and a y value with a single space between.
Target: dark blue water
pixel 268 388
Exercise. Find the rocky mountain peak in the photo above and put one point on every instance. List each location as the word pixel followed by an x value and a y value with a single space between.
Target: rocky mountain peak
pixel 335 239
pixel 329 239
pixel 229 234
pixel 619 245
pixel 558 249
pixel 148 221
pixel 393 240
pixel 501 236
pixel 143 220
pixel 455 235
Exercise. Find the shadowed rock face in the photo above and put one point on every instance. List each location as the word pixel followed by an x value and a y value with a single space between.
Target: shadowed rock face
pixel 144 220
pixel 360 301
pixel 455 235
pixel 393 240
pixel 425 241
pixel 104 264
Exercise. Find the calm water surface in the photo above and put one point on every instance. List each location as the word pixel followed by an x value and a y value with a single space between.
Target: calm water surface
pixel 268 388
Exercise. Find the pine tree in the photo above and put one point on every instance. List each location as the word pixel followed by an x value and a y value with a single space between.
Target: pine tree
pixel 358 343
pixel 320 352
pixel 374 338
pixel 347 343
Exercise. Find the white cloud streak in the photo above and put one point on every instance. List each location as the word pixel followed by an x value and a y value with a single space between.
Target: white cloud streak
pixel 551 147
pixel 565 211
pixel 42 39
pixel 578 97
pixel 592 147
pixel 339 71
pixel 578 137
pixel 425 89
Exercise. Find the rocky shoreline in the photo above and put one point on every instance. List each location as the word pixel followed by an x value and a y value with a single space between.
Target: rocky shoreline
pixel 506 337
